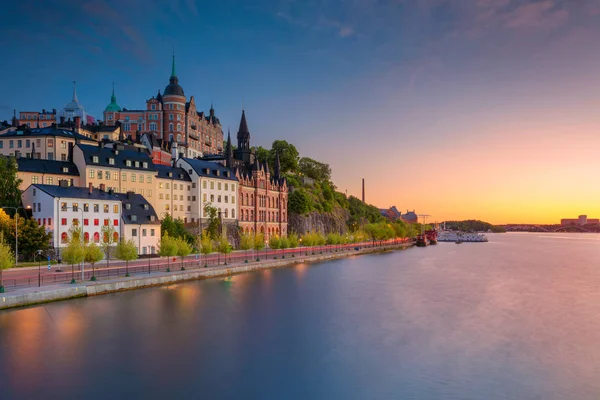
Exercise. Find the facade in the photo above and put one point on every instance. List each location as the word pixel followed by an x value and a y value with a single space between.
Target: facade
pixel 581 220
pixel 214 184
pixel 33 172
pixel 36 119
pixel 170 118
pixel 263 196
pixel 174 194
pixel 42 143
pixel 120 169
pixel 139 223
pixel 59 208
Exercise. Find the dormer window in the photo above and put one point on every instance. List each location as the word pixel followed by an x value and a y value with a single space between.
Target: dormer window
pixel 128 163
pixel 180 176
pixel 137 164
pixel 95 159
pixel 145 206
pixel 170 174
pixel 128 206
pixel 145 164
pixel 134 217
pixel 65 170
pixel 152 218
pixel 111 161
pixel 217 172
pixel 190 172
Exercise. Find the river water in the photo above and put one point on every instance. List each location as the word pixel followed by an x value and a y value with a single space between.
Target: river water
pixel 515 318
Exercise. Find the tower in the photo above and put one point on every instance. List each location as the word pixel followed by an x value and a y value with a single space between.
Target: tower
pixel 243 138
pixel 173 100
pixel 228 151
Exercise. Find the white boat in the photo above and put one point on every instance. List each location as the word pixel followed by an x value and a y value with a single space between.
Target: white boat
pixel 459 237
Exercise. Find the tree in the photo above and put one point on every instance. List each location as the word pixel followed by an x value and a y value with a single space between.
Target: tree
pixel 293 239
pixel 320 239
pixel 32 237
pixel 183 249
pixel 206 247
pixel 224 248
pixel 167 248
pixel 92 255
pixel 314 169
pixel 108 241
pixel 288 155
pixel 10 194
pixel 299 202
pixel 332 239
pixel 274 243
pixel 126 251
pixel 175 228
pixel 246 244
pixel 284 243
pixel 7 260
pixel 213 220
pixel 262 154
pixel 73 253
pixel 259 244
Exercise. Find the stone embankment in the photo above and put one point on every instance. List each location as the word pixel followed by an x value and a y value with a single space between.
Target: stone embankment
pixel 31 296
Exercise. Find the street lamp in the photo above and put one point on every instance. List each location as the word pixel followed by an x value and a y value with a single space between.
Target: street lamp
pixel 39 253
pixel 16 232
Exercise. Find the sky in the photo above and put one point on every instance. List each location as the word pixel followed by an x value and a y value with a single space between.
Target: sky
pixel 459 109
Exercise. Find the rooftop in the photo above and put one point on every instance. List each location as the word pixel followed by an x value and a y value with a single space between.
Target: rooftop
pixel 49 131
pixel 47 166
pixel 167 172
pixel 136 209
pixel 210 169
pixel 74 192
pixel 119 155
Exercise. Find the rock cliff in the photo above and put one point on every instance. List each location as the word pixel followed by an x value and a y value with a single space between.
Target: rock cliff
pixel 324 222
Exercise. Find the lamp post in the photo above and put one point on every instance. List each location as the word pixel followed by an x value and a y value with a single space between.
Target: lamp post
pixel 16 232
pixel 39 253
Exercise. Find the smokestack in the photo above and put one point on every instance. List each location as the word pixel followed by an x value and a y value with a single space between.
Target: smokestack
pixel 363 190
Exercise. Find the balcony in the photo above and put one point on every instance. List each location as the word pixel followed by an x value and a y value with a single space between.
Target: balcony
pixel 208 142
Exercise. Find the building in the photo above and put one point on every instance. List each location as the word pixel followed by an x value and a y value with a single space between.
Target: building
pixel 160 153
pixel 170 117
pixel 50 143
pixel 391 213
pixel 122 168
pixel 36 119
pixel 47 172
pixel 410 217
pixel 139 223
pixel 581 220
pixel 174 194
pixel 212 183
pixel 263 196
pixel 60 207
pixel 74 109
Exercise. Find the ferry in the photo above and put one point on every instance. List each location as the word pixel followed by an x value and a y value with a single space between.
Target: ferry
pixel 460 237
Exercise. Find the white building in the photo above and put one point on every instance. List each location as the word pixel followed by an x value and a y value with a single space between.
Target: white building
pixel 139 223
pixel 212 183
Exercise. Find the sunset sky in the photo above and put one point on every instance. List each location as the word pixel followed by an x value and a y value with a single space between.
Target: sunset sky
pixel 486 109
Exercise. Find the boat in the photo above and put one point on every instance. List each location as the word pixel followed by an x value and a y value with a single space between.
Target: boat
pixel 422 240
pixel 431 235
pixel 460 237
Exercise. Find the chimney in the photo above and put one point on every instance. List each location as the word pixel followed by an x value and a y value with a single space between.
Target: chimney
pixel 70 155
pixel 111 191
pixel 63 183
pixel 77 123
pixel 62 120
pixel 91 188
pixel 102 187
pixel 363 190
pixel 129 195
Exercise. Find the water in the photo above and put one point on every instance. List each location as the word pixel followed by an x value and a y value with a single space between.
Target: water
pixel 516 318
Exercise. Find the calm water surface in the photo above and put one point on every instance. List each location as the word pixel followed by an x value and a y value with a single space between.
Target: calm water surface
pixel 516 318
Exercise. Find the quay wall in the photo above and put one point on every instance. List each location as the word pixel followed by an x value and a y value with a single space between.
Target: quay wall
pixel 26 297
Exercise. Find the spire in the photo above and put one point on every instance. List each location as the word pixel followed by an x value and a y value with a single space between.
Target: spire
pixel 228 151
pixel 75 93
pixel 277 171
pixel 173 74
pixel 243 124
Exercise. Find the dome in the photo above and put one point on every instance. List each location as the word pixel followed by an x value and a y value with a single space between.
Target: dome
pixel 173 88
pixel 113 106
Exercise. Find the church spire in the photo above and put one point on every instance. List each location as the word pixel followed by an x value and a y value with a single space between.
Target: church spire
pixel 277 171
pixel 75 93
pixel 228 151
pixel 173 74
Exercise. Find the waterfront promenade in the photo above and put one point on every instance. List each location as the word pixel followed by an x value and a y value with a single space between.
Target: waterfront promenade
pixel 112 279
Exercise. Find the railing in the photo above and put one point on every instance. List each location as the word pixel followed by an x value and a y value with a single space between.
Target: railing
pixel 190 263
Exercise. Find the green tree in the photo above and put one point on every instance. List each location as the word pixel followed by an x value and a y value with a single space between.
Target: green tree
pixel 293 239
pixel 259 244
pixel 332 239
pixel 32 237
pixel 167 248
pixel 183 249
pixel 10 194
pixel 175 228
pixel 74 252
pixel 314 169
pixel 284 243
pixel 7 260
pixel 320 240
pixel 213 220
pixel 206 247
pixel 288 155
pixel 224 248
pixel 108 242
pixel 274 243
pixel 262 154
pixel 246 244
pixel 126 251
pixel 299 202
pixel 93 254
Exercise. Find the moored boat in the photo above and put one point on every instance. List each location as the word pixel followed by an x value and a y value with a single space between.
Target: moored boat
pixel 460 237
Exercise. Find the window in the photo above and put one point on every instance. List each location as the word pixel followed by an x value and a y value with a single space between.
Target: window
pixel 1 144
pixel 219 185
pixel 63 237
pixel 168 196
pixel 127 126
pixel 11 144
pixel 149 192
pixel 142 192
pixel 153 107
pixel 149 178
pixel 181 197
pixel 96 208
pixel 63 144
pixel 86 237
pixel 27 143
pixel 160 196
pixel 75 221
pixel 134 232
pixel 219 198
pixel 95 159
pixel 193 198
pixel 105 208
pixel 226 199
pixel 170 117
pixel 168 186
pixel 133 177
pixel 204 197
pixel 141 178
pixel 212 185
pixel 232 199
pixel 160 185
pixel 86 222
pixel 50 221
pixel 137 164
pixel 181 187
pixel 152 232
pixel 128 163
pixel 171 127
pixel 99 174
pixel 63 221
pixel 115 176
pixel 116 222
pixel 63 206
pixel 232 187
pixel 153 126
pixel 212 198
pixel 233 213
pixel 143 232
pixel 124 176
pixel 106 221
pixel 49 180
pixel 226 187
pixel 92 173
pixel 96 237
pixel 34 179
pixel 75 207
